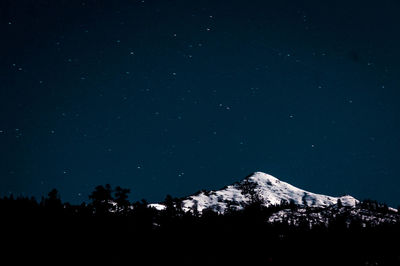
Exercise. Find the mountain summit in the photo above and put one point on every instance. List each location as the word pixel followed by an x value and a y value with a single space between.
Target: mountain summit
pixel 268 189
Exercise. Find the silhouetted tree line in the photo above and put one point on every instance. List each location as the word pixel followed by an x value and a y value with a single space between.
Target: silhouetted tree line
pixel 374 205
pixel 111 229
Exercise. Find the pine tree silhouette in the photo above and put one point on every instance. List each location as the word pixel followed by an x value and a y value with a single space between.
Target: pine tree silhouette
pixel 53 203
pixel 121 198
pixel 248 188
pixel 339 203
pixel 102 200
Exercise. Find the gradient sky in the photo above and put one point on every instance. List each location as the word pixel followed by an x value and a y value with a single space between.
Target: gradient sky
pixel 170 97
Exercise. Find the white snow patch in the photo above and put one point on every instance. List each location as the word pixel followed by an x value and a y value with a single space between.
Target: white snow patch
pixel 157 206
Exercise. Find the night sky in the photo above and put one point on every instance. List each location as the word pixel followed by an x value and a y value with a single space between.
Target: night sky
pixel 170 97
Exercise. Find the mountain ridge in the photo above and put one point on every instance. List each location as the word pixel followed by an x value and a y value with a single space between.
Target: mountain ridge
pixel 267 188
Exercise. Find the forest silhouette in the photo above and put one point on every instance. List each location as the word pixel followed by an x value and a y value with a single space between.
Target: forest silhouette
pixel 112 230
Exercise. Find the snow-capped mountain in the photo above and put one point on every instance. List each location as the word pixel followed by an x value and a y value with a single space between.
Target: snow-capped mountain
pixel 304 207
pixel 269 190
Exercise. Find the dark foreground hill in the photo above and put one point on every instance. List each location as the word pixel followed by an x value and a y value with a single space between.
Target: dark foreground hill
pixel 111 230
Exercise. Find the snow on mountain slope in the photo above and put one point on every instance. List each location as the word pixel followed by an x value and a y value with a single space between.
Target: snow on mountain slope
pixel 269 189
pixel 157 206
pixel 323 216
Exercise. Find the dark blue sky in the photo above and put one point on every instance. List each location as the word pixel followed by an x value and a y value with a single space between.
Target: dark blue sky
pixel 169 97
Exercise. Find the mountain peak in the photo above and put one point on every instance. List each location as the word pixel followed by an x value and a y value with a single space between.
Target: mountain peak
pixel 262 178
pixel 271 191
